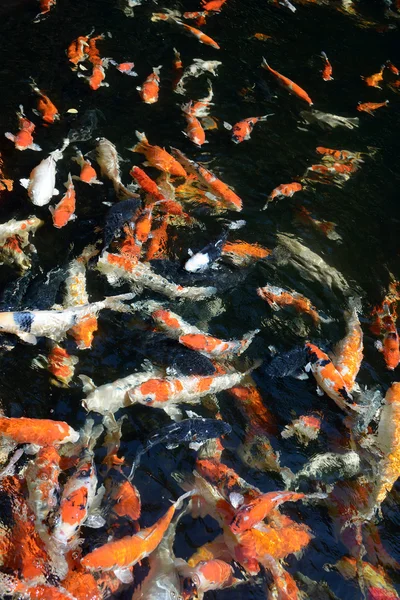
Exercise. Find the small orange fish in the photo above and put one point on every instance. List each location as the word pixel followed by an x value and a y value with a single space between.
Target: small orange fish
pixel 339 154
pixel 76 51
pixel 327 70
pixel 212 5
pixel 214 574
pixel 65 209
pixel 202 37
pixel 375 79
pixel 23 140
pixel 278 297
pixel 292 87
pixel 390 347
pixel 194 130
pixel 126 68
pixel 369 107
pixel 61 365
pixel 262 37
pixel 96 79
pixel 150 88
pixel 88 173
pixel 348 353
pixel 242 130
pixel 146 183
pixel 45 106
pixel 243 254
pixel 45 7
pixel 126 500
pixel 284 190
pixel 158 157
pixel 177 66
pixel 252 512
pixel 143 225
pixel 392 68
pixel 42 432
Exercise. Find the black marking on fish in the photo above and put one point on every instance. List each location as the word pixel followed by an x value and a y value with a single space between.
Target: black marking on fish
pixel 24 320
pixel 287 364
pixel 323 362
pixel 344 393
pixel 119 214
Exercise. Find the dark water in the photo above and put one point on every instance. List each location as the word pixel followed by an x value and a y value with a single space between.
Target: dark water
pixel 366 211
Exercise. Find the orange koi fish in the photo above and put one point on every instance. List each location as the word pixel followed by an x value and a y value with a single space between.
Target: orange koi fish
pixel 375 79
pixel 328 377
pixel 129 550
pixel 143 225
pixel 45 8
pixel 146 183
pixel 61 365
pixel 23 140
pixel 327 70
pixel 150 88
pixel 5 184
pixel 242 130
pixel 41 432
pixel 202 37
pixel 45 106
pixel 263 37
pixel 390 347
pixel 251 513
pixel 251 404
pixel 126 501
pixel 348 353
pixel 92 51
pixel 208 575
pixel 64 211
pixel 76 51
pixel 369 107
pixel 306 428
pixel 212 5
pixel 158 157
pixel 177 66
pixel 126 68
pixel 278 297
pixel 194 130
pixel 88 173
pixel 340 154
pixel 392 68
pixel 285 189
pixel 243 254
pixel 292 87
pixel 157 246
pixel 194 338
pixel 215 185
pixel 96 79
pixel 327 228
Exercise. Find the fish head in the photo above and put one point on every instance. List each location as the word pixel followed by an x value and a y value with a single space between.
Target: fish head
pixel 150 392
pixel 189 587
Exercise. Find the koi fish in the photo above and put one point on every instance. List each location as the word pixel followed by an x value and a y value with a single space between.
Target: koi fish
pixel 126 501
pixel 126 68
pixel 23 140
pixel 205 576
pixel 53 324
pixel 215 185
pixel 194 338
pixel 197 68
pixel 263 37
pixel 150 88
pixel 42 179
pixel 329 378
pixel 306 429
pixel 88 173
pixel 348 353
pixel 40 432
pixel 166 393
pixel 158 157
pixel 392 68
pixel 146 183
pixel 98 75
pixel 327 70
pixel 61 365
pixel 212 5
pixel 390 347
pixel 329 120
pixel 5 184
pixel 278 297
pixel 45 106
pixel 242 130
pixel 369 107
pixel 64 211
pixel 201 260
pixel 108 160
pixel 340 154
pixel 20 228
pixel 177 66
pixel 292 87
pixel 243 254
pixel 374 80
pixel 12 245
pixel 76 51
pixel 327 228
pixel 124 553
pixel 45 8
pixel 201 107
pixel 202 37
pixel 285 189
pixel 252 512
pixel 376 582
pixel 194 130
pixel 329 467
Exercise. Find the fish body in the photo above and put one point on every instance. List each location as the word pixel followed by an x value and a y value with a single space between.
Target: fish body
pixel 214 574
pixel 370 107
pixel 45 106
pixel 375 79
pixel 41 182
pixel 23 140
pixel 194 130
pixel 41 432
pixel 201 107
pixel 327 70
pixel 126 68
pixel 150 88
pixel 197 68
pixel 20 228
pixel 292 87
pixel 158 157
pixel 348 353
pixel 108 160
pixel 285 189
pixel 242 130
pixel 64 211
pixel 328 467
pixel 329 120
pixel 146 183
pixel 88 173
pixel 202 37
pixel 278 298
pixel 254 511
pixel 76 51
pixel 61 365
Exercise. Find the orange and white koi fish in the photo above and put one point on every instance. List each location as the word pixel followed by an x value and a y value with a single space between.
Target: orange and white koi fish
pixel 306 428
pixel 194 338
pixel 40 432
pixel 375 79
pixel 14 238
pixel 23 140
pixel 348 353
pixel 126 68
pixel 166 393
pixel 242 130
pixel 369 107
pixel 284 190
pixel 158 157
pixel 119 268
pixel 327 70
pixel 194 130
pixel 88 173
pixel 45 106
pixel 96 79
pixel 340 154
pixel 122 554
pixel 328 378
pixel 92 51
pixel 327 228
pixel 146 183
pixel 263 37
pixel 150 88
pixel 208 575
pixel 53 324
pixel 216 187
pixel 64 211
pixel 243 254
pixel 42 179
pixel 392 68
pixel 252 512
pixel 11 586
pixel 76 51
pixel 177 66
pixel 200 108
pixel 45 7
pixel 278 297
pixel 20 228
pixel 61 365
pixel 126 500
pixel 108 160
pixel 202 37
pixel 292 87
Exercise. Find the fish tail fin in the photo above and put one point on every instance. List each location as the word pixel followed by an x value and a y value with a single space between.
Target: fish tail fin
pixel 247 339
pixel 265 65
pixel 265 117
pixel 323 55
pixel 143 143
pixel 157 70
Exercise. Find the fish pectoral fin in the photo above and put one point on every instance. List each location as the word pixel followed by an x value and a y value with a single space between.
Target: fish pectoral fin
pixel 319 391
pixel 55 192
pixel 174 412
pixel 227 126
pixel 378 345
pixel 124 575
pixel 35 147
pixel 301 376
pixel 29 338
pixel 196 445
pixel 88 383
pixel 308 367
pixel 24 183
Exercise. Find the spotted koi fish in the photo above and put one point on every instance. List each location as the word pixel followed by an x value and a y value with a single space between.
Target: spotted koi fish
pixel 23 140
pixel 40 432
pixel 348 353
pixel 278 297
